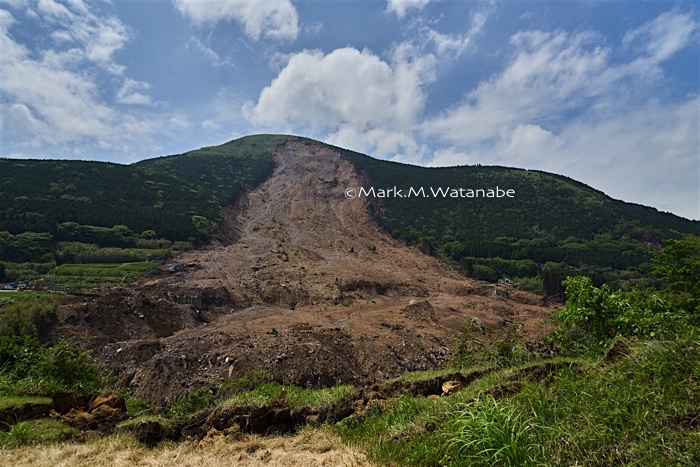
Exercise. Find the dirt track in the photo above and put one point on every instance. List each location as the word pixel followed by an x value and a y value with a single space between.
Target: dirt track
pixel 303 285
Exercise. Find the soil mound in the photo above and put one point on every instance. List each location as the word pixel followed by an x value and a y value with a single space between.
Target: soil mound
pixel 301 284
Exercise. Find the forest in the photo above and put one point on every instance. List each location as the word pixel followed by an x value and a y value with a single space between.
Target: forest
pixel 552 227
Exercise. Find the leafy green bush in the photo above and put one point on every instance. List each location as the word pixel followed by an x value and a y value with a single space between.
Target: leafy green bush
pixel 502 349
pixel 26 367
pixel 26 317
pixel 64 368
pixel 593 316
pixel 677 265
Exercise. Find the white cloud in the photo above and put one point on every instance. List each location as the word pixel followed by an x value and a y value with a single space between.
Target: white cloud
pixel 548 75
pixel 208 52
pixel 132 92
pixel 350 95
pixel 455 44
pixel 97 38
pixel 62 102
pixel 449 43
pixel 276 19
pixel 179 122
pixel 561 104
pixel 400 7
pixel 55 97
pixel 664 36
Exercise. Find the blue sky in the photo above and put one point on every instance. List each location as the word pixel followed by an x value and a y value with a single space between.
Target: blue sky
pixel 605 92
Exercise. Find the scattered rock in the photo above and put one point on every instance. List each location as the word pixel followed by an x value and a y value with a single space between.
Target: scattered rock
pixel 450 387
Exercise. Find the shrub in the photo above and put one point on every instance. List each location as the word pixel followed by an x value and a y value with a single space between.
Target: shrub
pixel 502 350
pixel 64 368
pixel 26 317
pixel 28 368
pixel 593 316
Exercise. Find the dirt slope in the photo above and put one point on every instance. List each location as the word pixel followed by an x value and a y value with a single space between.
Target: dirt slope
pixel 302 285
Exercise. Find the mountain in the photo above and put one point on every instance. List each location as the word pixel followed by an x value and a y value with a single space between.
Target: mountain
pixel 545 219
pixel 301 284
pixel 295 279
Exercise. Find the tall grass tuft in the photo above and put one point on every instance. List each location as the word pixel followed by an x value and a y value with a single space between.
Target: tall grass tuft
pixel 487 432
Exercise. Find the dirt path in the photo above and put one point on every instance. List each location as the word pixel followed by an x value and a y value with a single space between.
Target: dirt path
pixel 306 287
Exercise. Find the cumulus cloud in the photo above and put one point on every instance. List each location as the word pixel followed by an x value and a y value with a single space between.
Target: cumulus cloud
pixel 400 7
pixel 348 93
pixel 275 19
pixel 51 91
pixel 563 104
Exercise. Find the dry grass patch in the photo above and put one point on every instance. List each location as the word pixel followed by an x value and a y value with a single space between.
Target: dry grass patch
pixel 309 447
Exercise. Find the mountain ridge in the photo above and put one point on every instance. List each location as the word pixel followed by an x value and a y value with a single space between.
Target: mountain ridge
pixel 553 218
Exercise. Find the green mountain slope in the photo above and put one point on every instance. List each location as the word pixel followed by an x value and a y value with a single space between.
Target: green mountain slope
pixel 39 196
pixel 550 218
pixel 224 171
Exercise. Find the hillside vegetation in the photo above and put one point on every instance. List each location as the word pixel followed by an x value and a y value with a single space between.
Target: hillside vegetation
pixel 56 212
pixel 552 222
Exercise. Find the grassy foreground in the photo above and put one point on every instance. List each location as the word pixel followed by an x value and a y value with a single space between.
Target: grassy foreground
pixel 637 405
pixel 643 409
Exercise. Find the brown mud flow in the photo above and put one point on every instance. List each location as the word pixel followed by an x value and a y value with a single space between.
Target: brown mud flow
pixel 301 284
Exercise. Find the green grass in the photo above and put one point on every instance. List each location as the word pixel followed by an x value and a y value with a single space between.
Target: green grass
pixel 18 401
pixel 26 296
pixel 293 396
pixel 38 431
pixel 101 273
pixel 490 432
pixel 164 421
pixel 641 410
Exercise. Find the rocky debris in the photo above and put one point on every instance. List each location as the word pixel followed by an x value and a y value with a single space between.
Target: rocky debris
pixel 420 310
pixel 347 302
pixel 103 414
pixel 451 387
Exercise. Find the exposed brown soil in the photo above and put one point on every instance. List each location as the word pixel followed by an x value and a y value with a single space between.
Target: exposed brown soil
pixel 303 285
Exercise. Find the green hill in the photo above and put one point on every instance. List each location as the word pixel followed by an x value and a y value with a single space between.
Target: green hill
pixel 56 211
pixel 549 219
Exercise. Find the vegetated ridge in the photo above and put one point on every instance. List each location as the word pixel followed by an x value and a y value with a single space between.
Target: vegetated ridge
pixel 552 225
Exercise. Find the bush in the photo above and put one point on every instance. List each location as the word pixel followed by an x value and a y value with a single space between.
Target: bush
pixel 593 316
pixel 502 350
pixel 22 318
pixel 64 368
pixel 677 265
pixel 28 368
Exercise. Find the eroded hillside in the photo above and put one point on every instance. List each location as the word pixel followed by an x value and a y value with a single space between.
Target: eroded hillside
pixel 301 284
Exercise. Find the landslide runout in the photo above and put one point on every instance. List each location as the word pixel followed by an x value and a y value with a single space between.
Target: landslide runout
pixel 303 285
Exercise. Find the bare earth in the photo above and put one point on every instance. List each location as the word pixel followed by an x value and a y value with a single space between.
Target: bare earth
pixel 301 284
